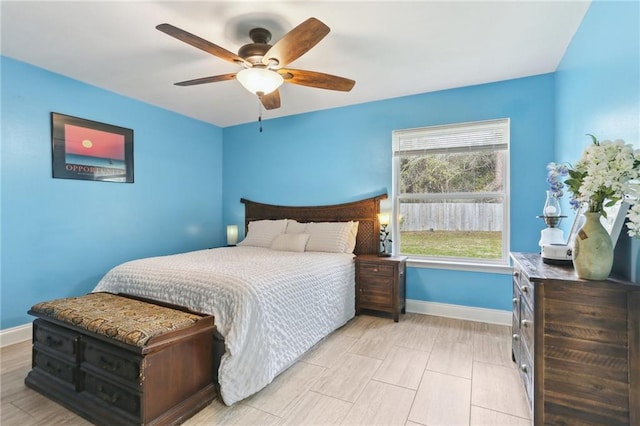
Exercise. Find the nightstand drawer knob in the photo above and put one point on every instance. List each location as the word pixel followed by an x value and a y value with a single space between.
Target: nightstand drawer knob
pixel 516 337
pixel 526 323
pixel 525 289
pixel 515 300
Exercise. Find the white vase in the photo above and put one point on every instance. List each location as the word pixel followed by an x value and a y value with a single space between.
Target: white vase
pixel 592 250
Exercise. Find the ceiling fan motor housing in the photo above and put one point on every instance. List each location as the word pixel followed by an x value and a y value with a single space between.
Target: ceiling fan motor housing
pixel 254 52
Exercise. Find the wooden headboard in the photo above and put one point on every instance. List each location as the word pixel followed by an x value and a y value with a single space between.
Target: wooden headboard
pixel 364 211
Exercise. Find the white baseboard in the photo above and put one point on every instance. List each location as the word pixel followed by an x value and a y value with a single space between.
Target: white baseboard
pixel 491 316
pixel 23 333
pixel 19 334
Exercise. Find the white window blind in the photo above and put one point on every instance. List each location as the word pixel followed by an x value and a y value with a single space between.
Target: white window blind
pixel 473 136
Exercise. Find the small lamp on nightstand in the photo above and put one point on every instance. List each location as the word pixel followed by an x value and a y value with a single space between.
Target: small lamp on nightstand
pixel 232 235
pixel 384 220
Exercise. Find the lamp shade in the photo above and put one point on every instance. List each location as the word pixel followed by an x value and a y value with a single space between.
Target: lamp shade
pixel 384 218
pixel 232 235
pixel 259 80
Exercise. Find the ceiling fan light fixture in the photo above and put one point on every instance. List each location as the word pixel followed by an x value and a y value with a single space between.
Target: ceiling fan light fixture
pixel 259 80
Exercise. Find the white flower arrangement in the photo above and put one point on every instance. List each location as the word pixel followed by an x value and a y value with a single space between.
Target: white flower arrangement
pixel 606 172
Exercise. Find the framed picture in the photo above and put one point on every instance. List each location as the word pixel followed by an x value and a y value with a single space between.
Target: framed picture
pixel 89 150
pixel 578 221
pixel 615 219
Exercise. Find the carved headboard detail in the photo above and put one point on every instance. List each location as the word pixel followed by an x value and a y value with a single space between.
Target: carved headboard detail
pixel 364 211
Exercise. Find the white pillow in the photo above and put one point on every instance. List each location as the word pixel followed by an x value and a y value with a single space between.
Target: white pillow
pixel 295 227
pixel 262 232
pixel 290 242
pixel 331 237
pixel 351 242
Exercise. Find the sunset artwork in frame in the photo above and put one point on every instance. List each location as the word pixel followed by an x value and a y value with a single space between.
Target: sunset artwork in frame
pixel 89 150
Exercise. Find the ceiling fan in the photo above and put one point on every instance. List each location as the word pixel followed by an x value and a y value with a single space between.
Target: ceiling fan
pixel 264 64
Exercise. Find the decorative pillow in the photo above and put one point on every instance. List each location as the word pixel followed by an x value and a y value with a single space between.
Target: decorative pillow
pixel 332 237
pixel 351 242
pixel 290 242
pixel 262 232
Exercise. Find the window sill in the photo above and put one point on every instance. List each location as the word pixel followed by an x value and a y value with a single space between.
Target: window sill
pixel 460 266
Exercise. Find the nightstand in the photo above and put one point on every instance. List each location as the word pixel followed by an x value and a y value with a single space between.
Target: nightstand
pixel 380 284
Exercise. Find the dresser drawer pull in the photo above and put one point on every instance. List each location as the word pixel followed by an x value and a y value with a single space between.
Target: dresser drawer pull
pixel 525 323
pixel 516 337
pixel 516 274
pixel 525 289
pixel 108 365
pixel 53 343
pixel 524 368
pixel 515 300
pixel 375 269
pixel 106 397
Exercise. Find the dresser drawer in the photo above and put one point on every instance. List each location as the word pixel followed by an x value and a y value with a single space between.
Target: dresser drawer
pixel 526 289
pixel 111 361
pixel 55 339
pixel 525 368
pixel 58 368
pixel 112 394
pixel 527 326
pixel 375 269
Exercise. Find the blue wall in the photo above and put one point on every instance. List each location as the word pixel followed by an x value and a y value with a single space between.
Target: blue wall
pixel 598 92
pixel 343 154
pixel 60 236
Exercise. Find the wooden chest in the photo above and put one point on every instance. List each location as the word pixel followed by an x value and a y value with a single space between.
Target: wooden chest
pixel 110 372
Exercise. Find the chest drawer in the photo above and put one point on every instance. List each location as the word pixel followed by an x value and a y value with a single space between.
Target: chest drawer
pixel 55 339
pixel 112 394
pixel 110 361
pixel 56 367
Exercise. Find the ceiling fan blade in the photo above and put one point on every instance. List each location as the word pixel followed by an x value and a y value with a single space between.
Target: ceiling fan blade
pixel 316 79
pixel 271 100
pixel 212 79
pixel 297 42
pixel 200 43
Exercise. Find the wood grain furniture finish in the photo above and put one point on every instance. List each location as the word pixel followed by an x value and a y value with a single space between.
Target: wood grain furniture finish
pixel 109 382
pixel 380 284
pixel 364 211
pixel 576 343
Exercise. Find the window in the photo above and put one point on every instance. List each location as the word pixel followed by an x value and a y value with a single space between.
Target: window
pixel 451 186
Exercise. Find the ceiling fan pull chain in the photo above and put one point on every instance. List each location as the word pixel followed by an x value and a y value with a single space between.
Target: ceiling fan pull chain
pixel 260 113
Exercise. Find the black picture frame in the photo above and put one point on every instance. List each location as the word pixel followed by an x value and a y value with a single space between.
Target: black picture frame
pixel 90 150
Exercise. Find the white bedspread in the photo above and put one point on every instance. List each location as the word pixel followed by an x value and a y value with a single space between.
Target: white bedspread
pixel 270 306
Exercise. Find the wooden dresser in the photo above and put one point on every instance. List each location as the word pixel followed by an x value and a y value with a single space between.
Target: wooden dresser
pixel 380 284
pixel 577 344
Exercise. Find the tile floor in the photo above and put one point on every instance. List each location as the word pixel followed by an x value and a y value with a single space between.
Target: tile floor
pixel 423 370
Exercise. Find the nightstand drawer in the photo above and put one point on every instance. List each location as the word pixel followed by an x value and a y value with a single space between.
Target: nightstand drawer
pixel 377 292
pixel 375 269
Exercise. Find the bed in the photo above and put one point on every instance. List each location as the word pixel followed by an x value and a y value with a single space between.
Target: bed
pixel 271 301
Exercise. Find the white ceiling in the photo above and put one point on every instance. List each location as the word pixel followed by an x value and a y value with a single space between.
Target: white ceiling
pixel 389 48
